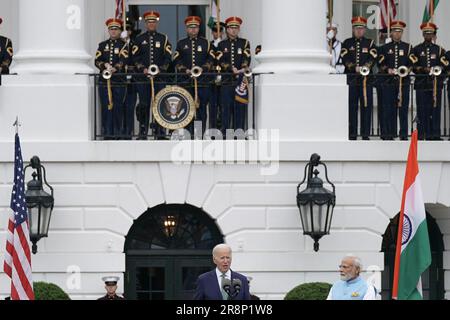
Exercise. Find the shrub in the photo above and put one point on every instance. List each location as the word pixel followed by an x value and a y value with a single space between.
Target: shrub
pixel 49 291
pixel 309 291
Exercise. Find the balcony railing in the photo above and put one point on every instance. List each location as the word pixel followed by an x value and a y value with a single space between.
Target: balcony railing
pixel 138 91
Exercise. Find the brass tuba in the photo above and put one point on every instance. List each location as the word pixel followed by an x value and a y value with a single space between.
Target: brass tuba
pixel 196 72
pixel 153 70
pixel 436 71
pixel 402 71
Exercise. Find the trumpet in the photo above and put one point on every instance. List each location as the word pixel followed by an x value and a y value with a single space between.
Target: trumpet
pixel 248 72
pixel 218 80
pixel 436 71
pixel 196 72
pixel 402 71
pixel 153 70
pixel 107 74
pixel 364 71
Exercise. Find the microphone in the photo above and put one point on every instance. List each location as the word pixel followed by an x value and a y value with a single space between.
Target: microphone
pixel 226 285
pixel 237 285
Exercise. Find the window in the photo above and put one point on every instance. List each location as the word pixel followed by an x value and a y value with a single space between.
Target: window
pixel 172 19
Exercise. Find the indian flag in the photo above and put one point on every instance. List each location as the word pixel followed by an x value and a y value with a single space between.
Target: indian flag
pixel 214 13
pixel 430 9
pixel 413 256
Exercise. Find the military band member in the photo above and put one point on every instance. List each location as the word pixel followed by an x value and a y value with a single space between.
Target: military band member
pixel 394 57
pixel 6 53
pixel 112 56
pixel 429 87
pixel 359 53
pixel 195 51
pixel 111 288
pixel 234 56
pixel 214 101
pixel 150 48
pixel 131 96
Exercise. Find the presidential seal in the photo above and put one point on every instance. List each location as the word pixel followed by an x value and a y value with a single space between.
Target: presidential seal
pixel 174 108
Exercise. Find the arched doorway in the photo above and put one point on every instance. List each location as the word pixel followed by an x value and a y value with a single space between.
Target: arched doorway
pixel 432 278
pixel 167 248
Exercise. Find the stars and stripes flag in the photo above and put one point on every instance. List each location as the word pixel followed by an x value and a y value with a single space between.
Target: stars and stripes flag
pixel 119 9
pixel 17 264
pixel 121 5
pixel 388 11
pixel 413 254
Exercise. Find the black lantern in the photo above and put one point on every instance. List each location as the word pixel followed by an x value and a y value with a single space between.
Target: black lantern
pixel 170 224
pixel 39 203
pixel 316 204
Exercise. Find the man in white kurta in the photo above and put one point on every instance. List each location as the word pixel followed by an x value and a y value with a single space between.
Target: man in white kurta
pixel 351 286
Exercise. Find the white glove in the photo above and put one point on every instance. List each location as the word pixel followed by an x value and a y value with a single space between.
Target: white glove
pixel 124 34
pixel 388 40
pixel 330 35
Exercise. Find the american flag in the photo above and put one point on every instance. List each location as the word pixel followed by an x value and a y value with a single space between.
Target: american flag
pixel 120 4
pixel 388 12
pixel 17 263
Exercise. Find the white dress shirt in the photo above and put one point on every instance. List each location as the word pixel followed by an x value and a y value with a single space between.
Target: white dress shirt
pixel 219 276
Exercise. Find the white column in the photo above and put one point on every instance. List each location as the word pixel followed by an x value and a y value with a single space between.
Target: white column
pixel 52 37
pixel 300 99
pixel 293 37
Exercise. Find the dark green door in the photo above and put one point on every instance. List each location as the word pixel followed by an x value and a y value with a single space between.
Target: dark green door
pixel 168 277
pixel 164 260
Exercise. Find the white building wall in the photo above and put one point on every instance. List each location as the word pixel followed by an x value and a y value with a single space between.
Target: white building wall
pixel 101 187
pixel 96 201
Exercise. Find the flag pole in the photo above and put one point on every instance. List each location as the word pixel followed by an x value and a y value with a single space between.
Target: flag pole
pixel 432 11
pixel 218 16
pixel 124 14
pixel 17 124
pixel 330 21
pixel 389 18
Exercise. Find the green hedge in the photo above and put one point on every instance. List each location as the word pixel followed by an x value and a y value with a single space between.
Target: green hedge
pixel 309 291
pixel 48 291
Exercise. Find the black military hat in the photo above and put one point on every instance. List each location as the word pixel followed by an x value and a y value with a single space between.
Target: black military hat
pixel 213 27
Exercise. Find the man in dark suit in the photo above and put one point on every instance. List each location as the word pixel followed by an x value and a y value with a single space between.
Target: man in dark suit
pixel 209 284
